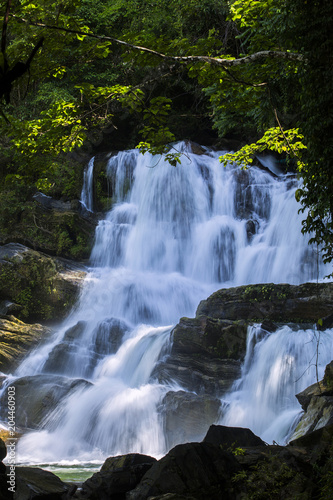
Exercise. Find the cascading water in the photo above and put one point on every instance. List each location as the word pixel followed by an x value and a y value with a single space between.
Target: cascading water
pixel 277 366
pixel 173 236
pixel 87 198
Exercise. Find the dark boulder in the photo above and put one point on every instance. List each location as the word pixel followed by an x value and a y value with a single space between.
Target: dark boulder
pixel 205 356
pixel 198 470
pixel 232 437
pixel 283 303
pixel 117 476
pixel 317 403
pixel 33 483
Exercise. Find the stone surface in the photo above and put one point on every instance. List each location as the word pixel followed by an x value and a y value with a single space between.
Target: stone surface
pixel 42 287
pixel 105 340
pixel 284 303
pixel 117 476
pixel 232 437
pixel 37 395
pixel 201 470
pixel 206 355
pixel 187 416
pixel 56 227
pixel 317 403
pixel 33 483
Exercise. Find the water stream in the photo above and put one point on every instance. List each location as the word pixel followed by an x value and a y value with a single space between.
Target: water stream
pixel 174 235
pixel 87 193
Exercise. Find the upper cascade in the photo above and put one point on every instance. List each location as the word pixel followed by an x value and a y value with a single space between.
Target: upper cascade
pixel 173 236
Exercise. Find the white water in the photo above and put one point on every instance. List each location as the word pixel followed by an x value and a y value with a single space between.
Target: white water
pixel 276 367
pixel 174 236
pixel 87 199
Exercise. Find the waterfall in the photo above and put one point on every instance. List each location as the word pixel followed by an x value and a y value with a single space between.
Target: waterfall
pixel 173 236
pixel 276 367
pixel 87 198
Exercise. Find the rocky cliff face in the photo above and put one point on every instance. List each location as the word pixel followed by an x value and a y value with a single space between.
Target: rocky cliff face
pixel 36 286
pixel 33 287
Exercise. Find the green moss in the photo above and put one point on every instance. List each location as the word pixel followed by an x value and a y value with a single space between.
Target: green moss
pixel 257 293
pixel 30 281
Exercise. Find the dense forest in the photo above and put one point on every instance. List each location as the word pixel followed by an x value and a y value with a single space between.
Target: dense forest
pixel 83 75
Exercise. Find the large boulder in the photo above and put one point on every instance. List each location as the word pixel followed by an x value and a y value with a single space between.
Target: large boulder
pixel 187 416
pixel 117 476
pixel 16 340
pixel 232 437
pixel 206 355
pixel 197 470
pixel 105 340
pixel 317 404
pixel 42 287
pixel 33 483
pixel 37 395
pixel 283 303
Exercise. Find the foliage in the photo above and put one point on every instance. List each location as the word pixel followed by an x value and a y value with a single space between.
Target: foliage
pixel 79 82
pixel 288 142
pixel 271 479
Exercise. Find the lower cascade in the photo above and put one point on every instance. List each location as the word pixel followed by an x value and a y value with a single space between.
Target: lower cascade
pixel 174 236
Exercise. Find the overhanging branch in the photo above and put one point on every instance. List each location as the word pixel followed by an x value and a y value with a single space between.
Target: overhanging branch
pixel 216 61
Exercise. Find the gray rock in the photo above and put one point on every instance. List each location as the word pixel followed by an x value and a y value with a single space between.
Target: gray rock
pixel 105 340
pixel 206 355
pixel 283 303
pixel 317 403
pixel 33 483
pixel 187 416
pixel 37 395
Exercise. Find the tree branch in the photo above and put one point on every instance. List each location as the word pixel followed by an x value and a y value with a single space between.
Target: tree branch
pixel 216 61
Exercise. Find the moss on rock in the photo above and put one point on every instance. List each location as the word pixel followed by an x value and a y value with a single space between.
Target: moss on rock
pixel 16 339
pixel 45 288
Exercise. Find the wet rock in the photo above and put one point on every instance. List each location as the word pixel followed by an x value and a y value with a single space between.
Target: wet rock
pixel 282 303
pixel 37 395
pixel 200 470
pixel 50 203
pixel 117 476
pixel 232 437
pixel 206 355
pixel 7 307
pixel 33 483
pixel 17 339
pixel 252 227
pixel 187 416
pixel 328 376
pixel 317 403
pixel 40 286
pixel 247 196
pixel 105 340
